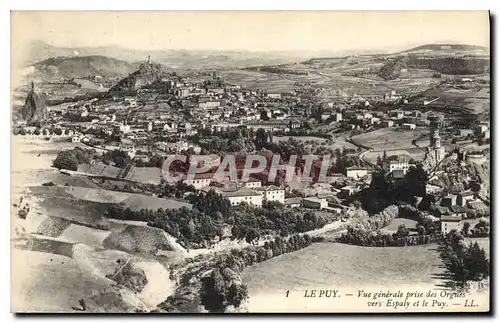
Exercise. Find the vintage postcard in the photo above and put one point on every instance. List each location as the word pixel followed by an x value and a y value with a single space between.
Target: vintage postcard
pixel 250 161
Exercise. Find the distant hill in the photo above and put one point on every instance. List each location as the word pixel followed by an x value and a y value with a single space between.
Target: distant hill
pixel 170 58
pixel 445 47
pixel 83 66
pixel 442 64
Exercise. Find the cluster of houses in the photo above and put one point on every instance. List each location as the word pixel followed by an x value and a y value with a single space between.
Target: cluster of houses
pixel 453 209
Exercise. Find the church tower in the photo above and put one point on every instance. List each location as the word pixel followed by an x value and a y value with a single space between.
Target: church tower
pixel 437 152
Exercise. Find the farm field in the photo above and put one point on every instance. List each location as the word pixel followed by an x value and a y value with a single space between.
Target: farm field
pixel 393 227
pixel 475 99
pixel 389 138
pixel 344 267
pixel 101 196
pixel 258 80
pixel 415 153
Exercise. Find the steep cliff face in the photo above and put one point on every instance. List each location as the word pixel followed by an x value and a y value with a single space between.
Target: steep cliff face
pixel 148 73
pixel 34 109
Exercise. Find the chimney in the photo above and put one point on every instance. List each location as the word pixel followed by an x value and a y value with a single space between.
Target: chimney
pixel 32 86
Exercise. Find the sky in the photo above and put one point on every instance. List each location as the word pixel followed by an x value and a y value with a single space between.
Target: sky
pixel 250 30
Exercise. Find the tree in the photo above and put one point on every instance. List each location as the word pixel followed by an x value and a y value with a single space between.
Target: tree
pixel 402 231
pixel 66 159
pixel 466 228
pixel 58 131
pixel 476 263
pixel 37 132
pixel 237 294
pixel 421 230
pixel 415 182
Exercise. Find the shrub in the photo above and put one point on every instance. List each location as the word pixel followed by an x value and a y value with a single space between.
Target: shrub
pixel 66 159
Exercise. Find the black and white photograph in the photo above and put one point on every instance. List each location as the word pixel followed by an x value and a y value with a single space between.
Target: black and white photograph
pixel 250 162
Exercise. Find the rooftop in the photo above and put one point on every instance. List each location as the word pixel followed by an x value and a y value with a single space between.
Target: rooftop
pixel 356 168
pixel 451 218
pixel 313 199
pixel 458 209
pixel 293 200
pixel 241 192
pixel 268 188
pixel 202 176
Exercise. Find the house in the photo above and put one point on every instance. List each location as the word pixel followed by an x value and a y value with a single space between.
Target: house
pixel 243 194
pixel 337 117
pixel 398 114
pixel 400 163
pixel 465 132
pixel 325 115
pixel 482 128
pixel 142 158
pixel 209 104
pixel 450 222
pixel 252 183
pixel 387 123
pixel 464 197
pixel 272 193
pixel 459 211
pixel 408 126
pixel 129 148
pixel 199 181
pixel 274 95
pixel 314 203
pixel 347 191
pixel 356 172
pixel 293 202
pixel 449 200
pixel 124 128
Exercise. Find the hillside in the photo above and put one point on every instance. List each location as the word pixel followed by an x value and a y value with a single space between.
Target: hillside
pixel 440 47
pixel 170 58
pixel 147 74
pixel 84 66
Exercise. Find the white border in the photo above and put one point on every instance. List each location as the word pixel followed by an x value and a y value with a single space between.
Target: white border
pixel 188 5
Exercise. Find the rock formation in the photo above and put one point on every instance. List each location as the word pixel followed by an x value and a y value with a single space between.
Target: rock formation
pixel 34 109
pixel 147 73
